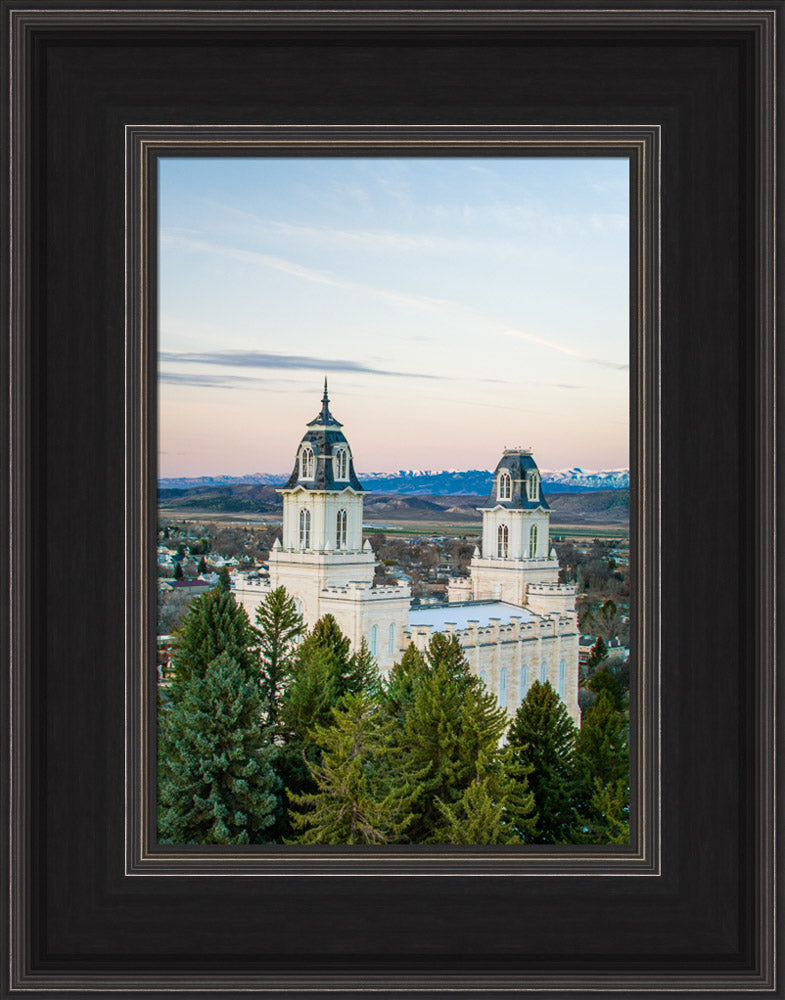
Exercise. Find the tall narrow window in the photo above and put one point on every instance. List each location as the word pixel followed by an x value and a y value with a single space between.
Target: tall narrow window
pixel 562 673
pixel 505 486
pixel 533 542
pixel 391 641
pixel 305 529
pixel 543 673
pixel 341 464
pixel 503 688
pixel 306 463
pixel 532 486
pixel 340 534
pixel 524 680
pixel 502 543
pixel 484 678
pixel 374 639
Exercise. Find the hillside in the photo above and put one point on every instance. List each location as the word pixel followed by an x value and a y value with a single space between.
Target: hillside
pixel 578 507
pixel 241 497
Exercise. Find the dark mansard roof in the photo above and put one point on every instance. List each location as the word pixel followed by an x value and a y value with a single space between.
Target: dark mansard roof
pixel 518 462
pixel 324 435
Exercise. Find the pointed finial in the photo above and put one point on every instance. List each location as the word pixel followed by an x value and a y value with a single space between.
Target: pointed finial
pixel 326 417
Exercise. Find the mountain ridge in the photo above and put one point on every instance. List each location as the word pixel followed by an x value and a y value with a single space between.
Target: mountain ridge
pixel 445 481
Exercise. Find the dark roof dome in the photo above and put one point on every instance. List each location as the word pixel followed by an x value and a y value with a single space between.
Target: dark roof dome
pixel 518 462
pixel 332 466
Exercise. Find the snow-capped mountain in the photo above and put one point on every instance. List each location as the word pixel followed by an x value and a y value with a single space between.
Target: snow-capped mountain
pixel 446 481
pixel 609 479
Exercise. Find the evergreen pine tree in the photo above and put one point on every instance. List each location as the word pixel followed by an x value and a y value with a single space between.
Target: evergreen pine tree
pixel 178 571
pixel 224 580
pixel 445 651
pixel 447 727
pixel 214 624
pixel 603 680
pixel 542 736
pixel 278 627
pixel 358 799
pixel 217 782
pixel 601 747
pixel 602 769
pixel 607 819
pixel 398 689
pixel 314 691
pixel 202 565
pixel 326 637
pixel 364 672
pixel 597 656
pixel 496 808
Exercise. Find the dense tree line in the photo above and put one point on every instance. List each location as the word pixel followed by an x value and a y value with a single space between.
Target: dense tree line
pixel 269 733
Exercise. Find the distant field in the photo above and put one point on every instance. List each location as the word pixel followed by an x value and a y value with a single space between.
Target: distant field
pixel 591 531
pixel 591 510
pixel 402 528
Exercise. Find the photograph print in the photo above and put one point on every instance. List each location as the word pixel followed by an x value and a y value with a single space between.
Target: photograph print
pixel 393 548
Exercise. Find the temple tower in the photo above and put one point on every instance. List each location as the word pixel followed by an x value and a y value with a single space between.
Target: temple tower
pixel 322 518
pixel 516 552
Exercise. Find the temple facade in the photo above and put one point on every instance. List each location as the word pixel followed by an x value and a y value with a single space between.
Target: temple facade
pixel 515 622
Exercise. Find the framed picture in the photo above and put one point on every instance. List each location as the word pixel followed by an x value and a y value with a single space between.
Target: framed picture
pixel 513 587
pixel 98 100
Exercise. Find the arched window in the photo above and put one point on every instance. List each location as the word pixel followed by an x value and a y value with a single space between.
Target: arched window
pixel 543 673
pixel 503 535
pixel 562 674
pixel 532 486
pixel 305 529
pixel 306 463
pixel 505 486
pixel 533 542
pixel 341 464
pixel 503 688
pixel 524 681
pixel 391 640
pixel 374 639
pixel 340 533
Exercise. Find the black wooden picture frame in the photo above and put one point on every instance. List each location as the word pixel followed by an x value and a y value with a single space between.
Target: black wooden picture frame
pixel 94 907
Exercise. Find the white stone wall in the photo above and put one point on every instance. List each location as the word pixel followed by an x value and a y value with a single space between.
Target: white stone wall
pixel 551 598
pixel 306 574
pixel 518 653
pixel 509 579
pixel 519 523
pixel 323 507
pixel 359 608
pixel 250 594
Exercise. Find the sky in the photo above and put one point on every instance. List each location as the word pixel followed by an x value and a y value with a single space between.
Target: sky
pixel 457 306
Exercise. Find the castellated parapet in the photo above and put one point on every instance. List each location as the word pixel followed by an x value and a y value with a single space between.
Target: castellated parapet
pixel 380 615
pixel 515 630
pixel 509 657
pixel 551 598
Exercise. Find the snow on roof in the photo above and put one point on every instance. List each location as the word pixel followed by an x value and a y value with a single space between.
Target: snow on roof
pixel 460 614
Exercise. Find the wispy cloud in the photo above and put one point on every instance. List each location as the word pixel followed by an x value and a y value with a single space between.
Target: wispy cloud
pixel 267 360
pixel 564 349
pixel 209 381
pixel 402 298
pixel 306 273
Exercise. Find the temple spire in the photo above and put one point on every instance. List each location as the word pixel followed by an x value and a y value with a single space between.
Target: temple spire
pixel 325 417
